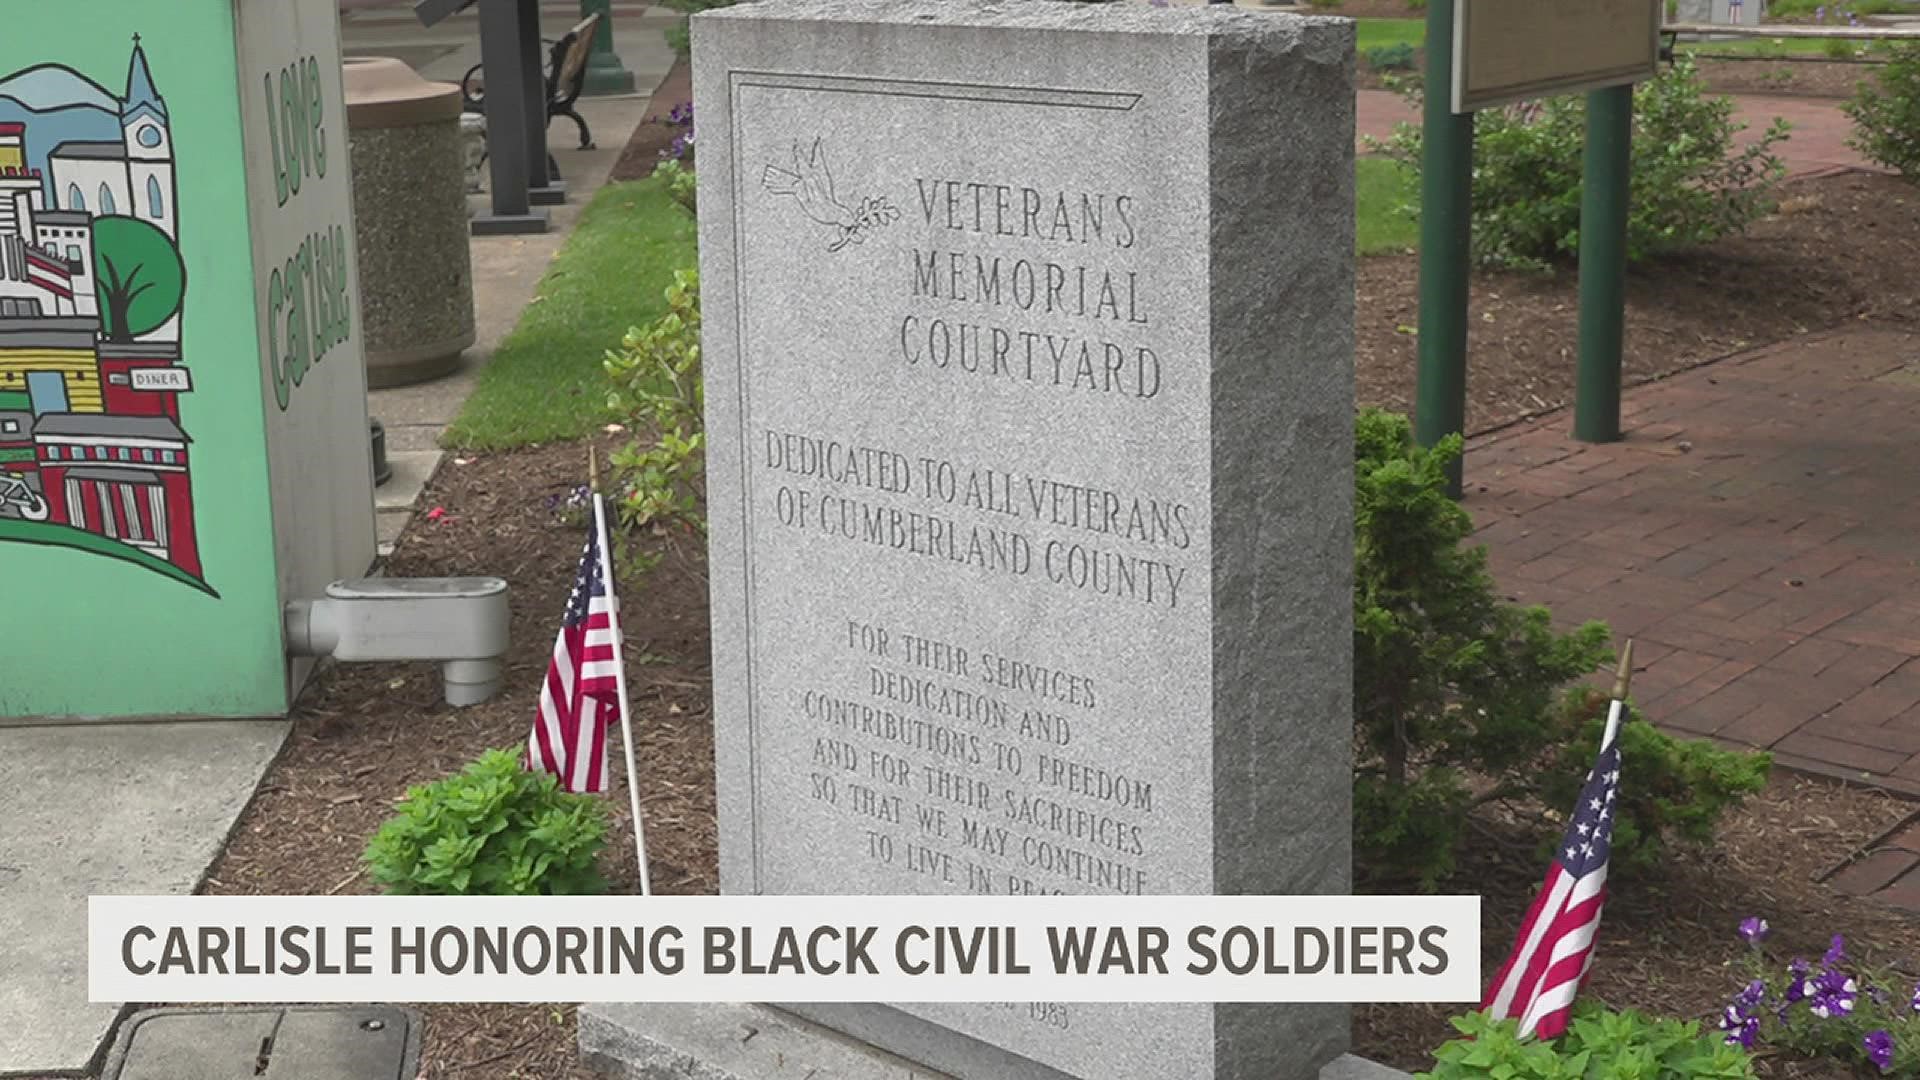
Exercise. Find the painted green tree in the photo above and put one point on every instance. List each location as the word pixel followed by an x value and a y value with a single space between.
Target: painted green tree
pixel 138 277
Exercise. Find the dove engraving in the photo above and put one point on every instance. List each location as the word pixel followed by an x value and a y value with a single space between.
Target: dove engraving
pixel 810 183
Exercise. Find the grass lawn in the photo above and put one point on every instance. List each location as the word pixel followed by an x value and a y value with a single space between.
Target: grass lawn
pixel 546 381
pixel 1382 187
pixel 1374 33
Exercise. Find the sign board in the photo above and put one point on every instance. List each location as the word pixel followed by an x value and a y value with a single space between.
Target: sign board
pixel 1515 50
pixel 162 380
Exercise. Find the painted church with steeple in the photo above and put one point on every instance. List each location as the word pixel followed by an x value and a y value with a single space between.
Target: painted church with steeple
pixel 133 176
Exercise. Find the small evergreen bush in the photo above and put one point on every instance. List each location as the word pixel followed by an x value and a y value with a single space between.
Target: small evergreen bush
pixel 1396 57
pixel 1690 185
pixel 1459 697
pixel 493 829
pixel 1886 112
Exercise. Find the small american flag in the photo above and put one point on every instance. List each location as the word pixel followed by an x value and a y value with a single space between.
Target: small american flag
pixel 581 697
pixel 1554 951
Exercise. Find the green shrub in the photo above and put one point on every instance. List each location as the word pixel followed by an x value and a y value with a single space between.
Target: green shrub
pixel 1599 1045
pixel 659 392
pixel 681 184
pixel 1679 788
pixel 493 829
pixel 1396 57
pixel 1886 112
pixel 1451 683
pixel 1689 184
pixel 1838 49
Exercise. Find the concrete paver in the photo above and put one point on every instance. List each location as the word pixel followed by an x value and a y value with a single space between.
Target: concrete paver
pixel 1752 533
pixel 102 809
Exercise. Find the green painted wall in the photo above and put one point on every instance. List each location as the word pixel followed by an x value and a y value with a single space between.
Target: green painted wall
pixel 94 625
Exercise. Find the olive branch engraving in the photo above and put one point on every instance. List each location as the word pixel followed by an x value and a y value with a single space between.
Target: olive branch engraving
pixel 810 182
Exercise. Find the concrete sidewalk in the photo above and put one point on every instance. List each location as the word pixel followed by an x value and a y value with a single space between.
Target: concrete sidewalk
pixel 506 269
pixel 102 809
pixel 1817 144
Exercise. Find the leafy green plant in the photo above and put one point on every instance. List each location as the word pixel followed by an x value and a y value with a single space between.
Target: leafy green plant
pixel 1886 112
pixel 1600 1044
pixel 1844 1010
pixel 1838 49
pixel 1459 697
pixel 1396 57
pixel 493 829
pixel 680 181
pixel 659 391
pixel 1690 184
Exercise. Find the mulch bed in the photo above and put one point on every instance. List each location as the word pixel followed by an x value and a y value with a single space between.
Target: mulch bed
pixel 654 133
pixel 1814 78
pixel 364 733
pixel 1840 250
pixel 1667 942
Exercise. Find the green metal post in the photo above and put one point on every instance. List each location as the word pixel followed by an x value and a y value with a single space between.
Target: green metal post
pixel 1446 207
pixel 605 74
pixel 1603 263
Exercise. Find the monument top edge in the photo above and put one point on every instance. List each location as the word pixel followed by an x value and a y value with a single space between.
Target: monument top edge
pixel 1206 20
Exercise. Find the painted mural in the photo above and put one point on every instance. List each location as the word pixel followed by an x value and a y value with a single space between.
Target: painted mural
pixel 92 452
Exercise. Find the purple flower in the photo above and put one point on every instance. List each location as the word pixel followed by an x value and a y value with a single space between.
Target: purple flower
pixel 1916 999
pixel 1836 953
pixel 681 114
pixel 1820 14
pixel 1833 994
pixel 1753 929
pixel 1753 995
pixel 1879 1046
pixel 1741 1028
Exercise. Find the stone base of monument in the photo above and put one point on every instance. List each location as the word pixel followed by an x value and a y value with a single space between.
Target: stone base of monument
pixel 758 1042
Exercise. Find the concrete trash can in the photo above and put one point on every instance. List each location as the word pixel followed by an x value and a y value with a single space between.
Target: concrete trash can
pixel 410 199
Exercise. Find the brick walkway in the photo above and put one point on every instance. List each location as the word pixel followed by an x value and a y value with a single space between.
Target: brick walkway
pixel 1818 143
pixel 1757 533
pixel 1888 871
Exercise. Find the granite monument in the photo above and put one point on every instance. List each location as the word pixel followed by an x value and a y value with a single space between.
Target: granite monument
pixel 1028 336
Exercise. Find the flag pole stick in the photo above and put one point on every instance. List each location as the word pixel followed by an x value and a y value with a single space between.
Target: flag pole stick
pixel 619 669
pixel 1617 711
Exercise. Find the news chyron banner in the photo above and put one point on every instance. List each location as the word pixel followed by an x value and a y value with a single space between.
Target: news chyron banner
pixel 820 949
